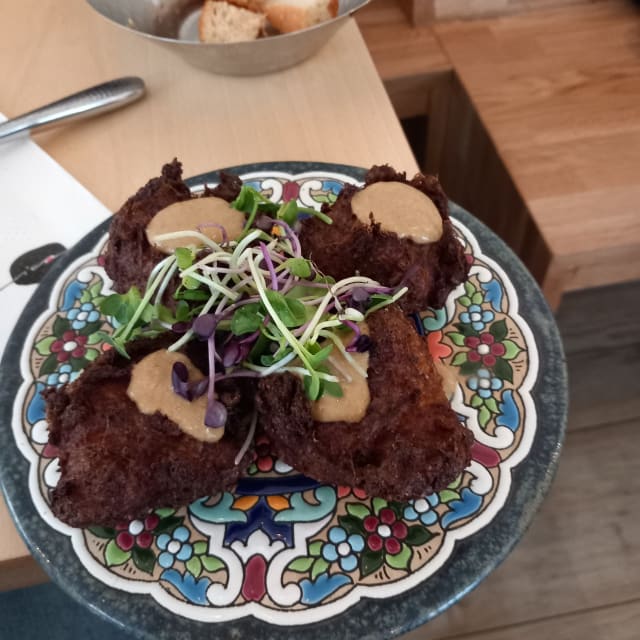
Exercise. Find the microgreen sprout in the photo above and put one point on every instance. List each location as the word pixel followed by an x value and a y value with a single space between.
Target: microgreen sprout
pixel 259 304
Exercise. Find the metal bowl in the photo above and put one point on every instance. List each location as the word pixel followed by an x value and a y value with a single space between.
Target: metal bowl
pixel 174 24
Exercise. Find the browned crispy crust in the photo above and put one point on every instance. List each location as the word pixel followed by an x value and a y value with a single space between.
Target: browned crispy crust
pixel 117 463
pixel 409 444
pixel 129 257
pixel 348 246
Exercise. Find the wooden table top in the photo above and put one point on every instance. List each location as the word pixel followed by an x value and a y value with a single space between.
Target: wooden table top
pixel 557 93
pixel 332 108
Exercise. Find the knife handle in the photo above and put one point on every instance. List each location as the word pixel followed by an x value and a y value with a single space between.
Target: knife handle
pixel 99 99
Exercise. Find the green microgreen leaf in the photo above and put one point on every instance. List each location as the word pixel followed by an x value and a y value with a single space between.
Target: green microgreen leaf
pixel 246 200
pixel 311 385
pixel 288 212
pixel 269 208
pixel 114 342
pixel 184 257
pixel 191 283
pixel 164 314
pixel 198 295
pixel 247 319
pixel 290 311
pixel 300 267
pixel 315 359
pixel 332 389
pixel 316 214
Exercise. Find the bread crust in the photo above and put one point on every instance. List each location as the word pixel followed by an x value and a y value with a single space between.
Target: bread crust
pixel 241 12
pixel 287 18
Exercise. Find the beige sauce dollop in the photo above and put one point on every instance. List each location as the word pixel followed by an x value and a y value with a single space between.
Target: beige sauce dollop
pixel 399 208
pixel 150 388
pixel 190 214
pixel 353 404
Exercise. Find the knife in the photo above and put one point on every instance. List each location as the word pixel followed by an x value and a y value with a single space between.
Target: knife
pixel 89 102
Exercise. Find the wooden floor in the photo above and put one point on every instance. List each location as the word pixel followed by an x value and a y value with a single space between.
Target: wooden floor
pixel 576 573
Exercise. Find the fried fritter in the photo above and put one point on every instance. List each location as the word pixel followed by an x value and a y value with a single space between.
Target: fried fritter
pixel 410 442
pixel 117 463
pixel 130 258
pixel 431 271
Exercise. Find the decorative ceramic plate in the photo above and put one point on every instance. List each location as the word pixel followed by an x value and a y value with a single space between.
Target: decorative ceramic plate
pixel 282 549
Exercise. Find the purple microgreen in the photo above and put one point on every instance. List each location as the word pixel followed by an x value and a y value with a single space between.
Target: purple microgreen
pixel 180 380
pixel 180 327
pixel 250 338
pixel 293 238
pixel 204 225
pixel 216 415
pixel 179 372
pixel 235 352
pixel 240 373
pixel 357 334
pixel 362 344
pixel 359 295
pixel 270 267
pixel 199 388
pixel 204 326
pixel 264 223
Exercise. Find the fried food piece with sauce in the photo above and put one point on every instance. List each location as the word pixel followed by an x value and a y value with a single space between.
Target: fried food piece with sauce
pixel 409 443
pixel 117 463
pixel 129 257
pixel 430 271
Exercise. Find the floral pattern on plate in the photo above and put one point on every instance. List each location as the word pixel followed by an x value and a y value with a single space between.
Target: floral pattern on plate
pixel 281 546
